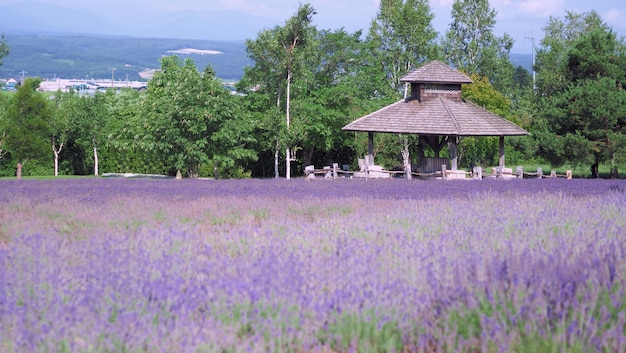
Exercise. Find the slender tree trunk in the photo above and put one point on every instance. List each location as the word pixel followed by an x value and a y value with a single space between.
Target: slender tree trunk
pixel 2 151
pixel 56 151
pixel 276 153
pixel 95 160
pixel 287 151
pixel 288 163
pixel 277 149
pixel 406 157
pixel 56 163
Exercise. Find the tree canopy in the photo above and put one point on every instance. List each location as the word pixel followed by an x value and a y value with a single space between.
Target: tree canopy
pixel 402 38
pixel 184 113
pixel 471 45
pixel 27 135
pixel 589 112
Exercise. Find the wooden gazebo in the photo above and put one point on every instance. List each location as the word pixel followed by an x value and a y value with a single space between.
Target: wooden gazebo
pixel 437 113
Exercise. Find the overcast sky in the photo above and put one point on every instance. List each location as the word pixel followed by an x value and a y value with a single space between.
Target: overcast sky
pixel 521 19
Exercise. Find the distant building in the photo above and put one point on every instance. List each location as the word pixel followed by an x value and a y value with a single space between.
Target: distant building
pixel 10 85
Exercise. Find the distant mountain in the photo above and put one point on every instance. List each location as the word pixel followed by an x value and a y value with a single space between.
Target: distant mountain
pixel 99 57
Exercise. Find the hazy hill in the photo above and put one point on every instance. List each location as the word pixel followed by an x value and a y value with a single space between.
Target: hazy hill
pixel 91 56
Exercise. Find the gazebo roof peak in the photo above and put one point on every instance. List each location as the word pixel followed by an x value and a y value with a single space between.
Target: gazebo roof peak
pixel 436 72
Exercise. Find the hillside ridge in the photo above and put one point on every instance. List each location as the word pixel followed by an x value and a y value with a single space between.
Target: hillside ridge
pixel 85 56
pixel 51 55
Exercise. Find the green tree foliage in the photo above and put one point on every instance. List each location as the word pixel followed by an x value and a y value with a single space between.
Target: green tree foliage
pixel 327 96
pixel 402 38
pixel 483 151
pixel 90 118
pixel 471 45
pixel 123 152
pixel 27 133
pixel 589 113
pixel 184 112
pixel 4 48
pixel 552 56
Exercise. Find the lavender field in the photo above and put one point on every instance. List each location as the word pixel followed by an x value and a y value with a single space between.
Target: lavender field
pixel 119 265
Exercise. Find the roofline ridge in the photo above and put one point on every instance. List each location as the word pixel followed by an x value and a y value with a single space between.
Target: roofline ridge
pixel 495 115
pixel 452 117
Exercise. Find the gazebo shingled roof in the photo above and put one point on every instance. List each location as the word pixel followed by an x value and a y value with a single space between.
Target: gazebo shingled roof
pixel 438 115
pixel 436 71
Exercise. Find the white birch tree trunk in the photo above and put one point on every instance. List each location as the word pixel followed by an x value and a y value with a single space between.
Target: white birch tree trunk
pixel 95 160
pixel 56 163
pixel 276 153
pixel 56 151
pixel 406 158
pixel 287 151
pixel 277 149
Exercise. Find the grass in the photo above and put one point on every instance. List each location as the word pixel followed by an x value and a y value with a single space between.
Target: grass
pixel 49 177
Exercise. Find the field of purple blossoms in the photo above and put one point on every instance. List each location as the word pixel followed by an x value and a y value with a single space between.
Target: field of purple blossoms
pixel 119 265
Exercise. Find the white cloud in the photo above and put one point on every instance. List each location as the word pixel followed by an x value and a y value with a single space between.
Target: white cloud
pixel 616 19
pixel 614 16
pixel 443 3
pixel 542 8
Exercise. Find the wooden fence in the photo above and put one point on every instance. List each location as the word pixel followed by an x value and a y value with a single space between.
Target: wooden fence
pixel 377 172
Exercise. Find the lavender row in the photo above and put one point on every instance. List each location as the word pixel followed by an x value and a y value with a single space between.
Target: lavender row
pixel 161 266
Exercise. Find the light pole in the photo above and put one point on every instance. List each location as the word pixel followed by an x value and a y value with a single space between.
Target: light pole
pixel 112 76
pixel 532 42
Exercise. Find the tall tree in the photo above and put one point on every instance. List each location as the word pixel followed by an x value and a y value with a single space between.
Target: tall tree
pixel 279 54
pixel 295 39
pixel 27 134
pixel 471 45
pixel 60 124
pixel 265 78
pixel 90 120
pixel 123 136
pixel 185 117
pixel 327 94
pixel 402 38
pixel 590 112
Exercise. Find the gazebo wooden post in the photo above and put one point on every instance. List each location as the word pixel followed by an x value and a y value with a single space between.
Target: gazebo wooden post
pixel 453 155
pixel 370 149
pixel 420 153
pixel 501 162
